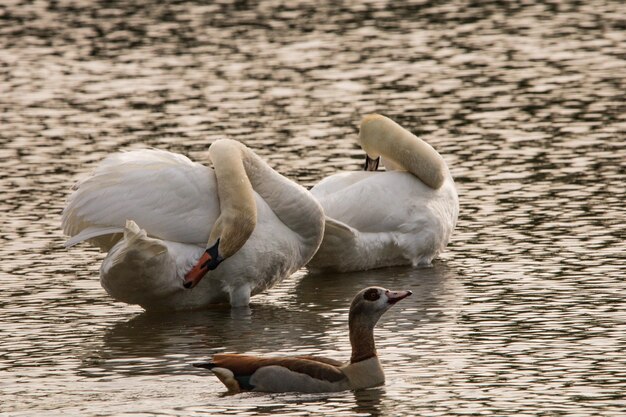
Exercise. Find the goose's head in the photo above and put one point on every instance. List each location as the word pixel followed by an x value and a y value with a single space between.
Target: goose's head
pixel 371 303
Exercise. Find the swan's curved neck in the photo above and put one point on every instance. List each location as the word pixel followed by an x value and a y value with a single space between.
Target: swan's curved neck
pixel 237 217
pixel 381 136
pixel 238 172
pixel 292 203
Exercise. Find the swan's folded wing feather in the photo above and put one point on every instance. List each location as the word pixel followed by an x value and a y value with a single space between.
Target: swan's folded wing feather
pixel 94 232
pixel 337 236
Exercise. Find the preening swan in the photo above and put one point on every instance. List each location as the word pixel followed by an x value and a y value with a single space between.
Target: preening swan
pixel 165 221
pixel 404 216
pixel 312 373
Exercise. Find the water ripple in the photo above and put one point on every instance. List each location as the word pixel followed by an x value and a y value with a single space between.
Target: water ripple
pixel 522 315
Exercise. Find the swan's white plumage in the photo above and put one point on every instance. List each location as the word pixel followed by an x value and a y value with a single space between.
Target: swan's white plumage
pixel 172 204
pixel 163 192
pixel 377 219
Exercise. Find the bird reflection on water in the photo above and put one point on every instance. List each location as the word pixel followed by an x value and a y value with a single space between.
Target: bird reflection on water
pixel 171 339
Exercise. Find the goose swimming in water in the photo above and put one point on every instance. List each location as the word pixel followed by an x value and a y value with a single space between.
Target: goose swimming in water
pixel 154 212
pixel 402 216
pixel 311 373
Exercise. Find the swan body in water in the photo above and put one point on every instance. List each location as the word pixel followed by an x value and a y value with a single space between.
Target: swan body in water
pixel 154 212
pixel 402 216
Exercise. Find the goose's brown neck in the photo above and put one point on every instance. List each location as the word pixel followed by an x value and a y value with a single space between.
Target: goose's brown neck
pixel 361 339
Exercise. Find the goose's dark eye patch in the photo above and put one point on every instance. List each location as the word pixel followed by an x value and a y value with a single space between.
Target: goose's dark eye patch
pixel 371 294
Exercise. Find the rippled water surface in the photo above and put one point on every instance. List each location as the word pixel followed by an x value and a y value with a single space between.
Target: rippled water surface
pixel 524 314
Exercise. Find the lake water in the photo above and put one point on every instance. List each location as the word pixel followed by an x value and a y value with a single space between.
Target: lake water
pixel 524 314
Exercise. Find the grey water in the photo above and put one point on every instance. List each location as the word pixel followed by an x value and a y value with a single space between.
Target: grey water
pixel 524 314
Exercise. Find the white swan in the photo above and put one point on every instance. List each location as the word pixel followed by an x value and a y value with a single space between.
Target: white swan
pixel 154 212
pixel 404 216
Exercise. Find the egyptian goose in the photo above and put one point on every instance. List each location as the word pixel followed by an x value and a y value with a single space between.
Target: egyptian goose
pixel 402 216
pixel 315 374
pixel 166 221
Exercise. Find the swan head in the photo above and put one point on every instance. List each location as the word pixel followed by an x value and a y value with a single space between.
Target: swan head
pixel 209 260
pixel 371 164
pixel 371 303
pixel 230 232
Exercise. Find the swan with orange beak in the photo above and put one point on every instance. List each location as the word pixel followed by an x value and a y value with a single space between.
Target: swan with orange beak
pixel 165 221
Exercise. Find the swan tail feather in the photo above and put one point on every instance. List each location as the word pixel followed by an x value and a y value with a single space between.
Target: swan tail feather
pixel 136 240
pixel 139 269
pixel 135 252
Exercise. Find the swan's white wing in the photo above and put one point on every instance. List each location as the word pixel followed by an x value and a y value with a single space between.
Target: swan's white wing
pixel 162 192
pixel 339 182
pixel 373 202
pixel 95 232
pixel 393 218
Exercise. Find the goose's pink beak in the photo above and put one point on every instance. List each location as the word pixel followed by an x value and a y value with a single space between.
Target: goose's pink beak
pixel 395 296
